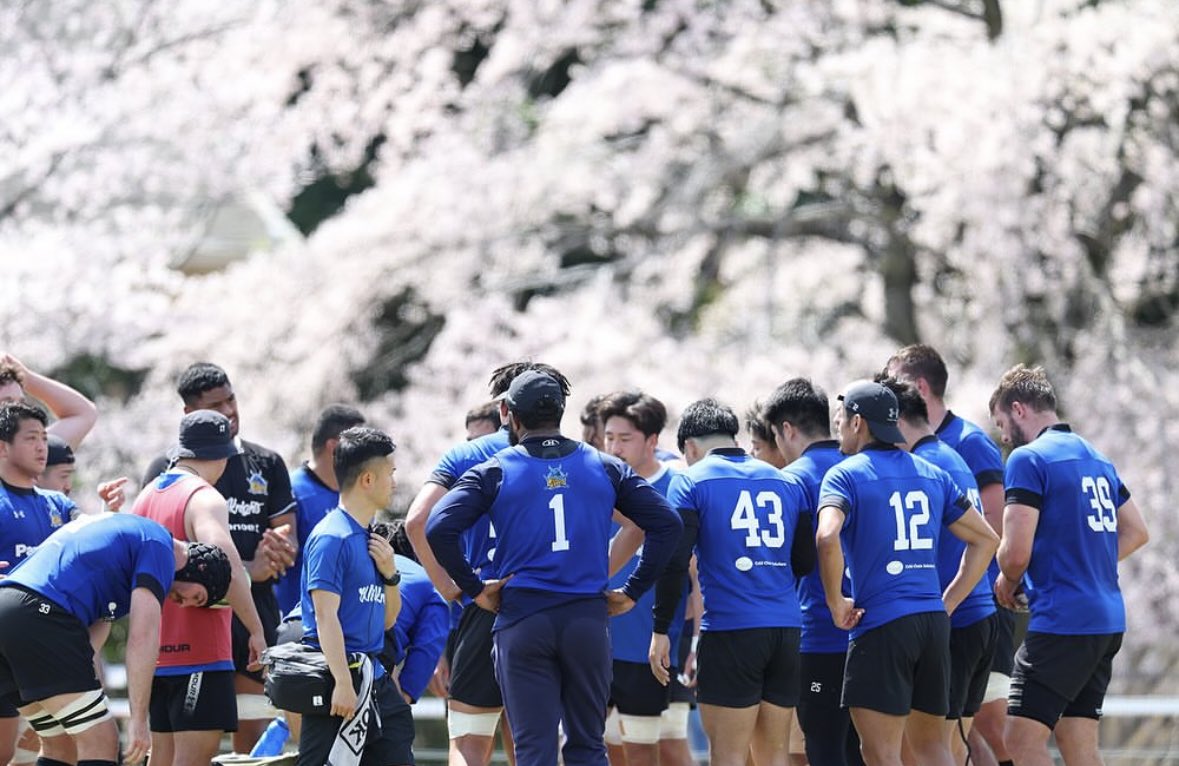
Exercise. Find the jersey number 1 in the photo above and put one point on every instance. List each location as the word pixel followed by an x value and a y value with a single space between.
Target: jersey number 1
pixel 560 541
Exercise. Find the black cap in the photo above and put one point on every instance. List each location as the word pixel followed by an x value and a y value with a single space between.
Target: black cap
pixel 204 435
pixel 534 393
pixel 60 452
pixel 877 405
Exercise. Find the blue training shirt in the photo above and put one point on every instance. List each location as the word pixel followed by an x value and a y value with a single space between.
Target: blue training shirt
pixel 1072 578
pixel 28 515
pixel 551 500
pixel 90 566
pixel 748 511
pixel 630 633
pixel 894 504
pixel 980 603
pixel 419 634
pixel 980 452
pixel 819 632
pixel 313 500
pixel 337 561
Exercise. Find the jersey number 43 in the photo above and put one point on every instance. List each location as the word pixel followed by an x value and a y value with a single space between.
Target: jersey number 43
pixel 745 517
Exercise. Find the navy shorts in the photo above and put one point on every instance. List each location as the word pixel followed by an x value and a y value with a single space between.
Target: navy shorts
pixel 900 666
pixel 472 672
pixel 389 745
pixel 743 668
pixel 1062 676
pixel 202 701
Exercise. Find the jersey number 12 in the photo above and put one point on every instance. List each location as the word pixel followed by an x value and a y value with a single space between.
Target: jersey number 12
pixel 916 503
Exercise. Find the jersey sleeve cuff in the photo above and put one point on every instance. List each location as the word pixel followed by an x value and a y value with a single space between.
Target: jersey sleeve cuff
pixel 144 580
pixel 1018 496
pixel 836 501
pixel 987 478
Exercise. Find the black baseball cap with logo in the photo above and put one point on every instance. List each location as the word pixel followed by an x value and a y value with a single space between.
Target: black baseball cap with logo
pixel 878 406
pixel 535 393
pixel 204 435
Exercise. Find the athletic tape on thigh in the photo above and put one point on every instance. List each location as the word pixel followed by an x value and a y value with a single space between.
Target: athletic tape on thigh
pixel 640 729
pixel 253 707
pixel 23 753
pixel 613 728
pixel 88 710
pixel 464 724
pixel 673 724
pixel 998 687
pixel 46 725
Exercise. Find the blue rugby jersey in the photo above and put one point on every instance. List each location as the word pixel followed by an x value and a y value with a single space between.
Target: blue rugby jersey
pixel 1072 578
pixel 748 512
pixel 338 561
pixel 479 540
pixel 419 634
pixel 894 506
pixel 630 633
pixel 90 566
pixel 819 633
pixel 550 500
pixel 313 500
pixel 28 515
pixel 980 453
pixel 980 603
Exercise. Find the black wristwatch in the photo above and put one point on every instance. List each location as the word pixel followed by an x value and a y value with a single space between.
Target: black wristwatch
pixel 394 580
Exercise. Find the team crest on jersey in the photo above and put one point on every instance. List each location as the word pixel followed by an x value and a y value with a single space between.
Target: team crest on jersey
pixel 257 483
pixel 54 517
pixel 556 478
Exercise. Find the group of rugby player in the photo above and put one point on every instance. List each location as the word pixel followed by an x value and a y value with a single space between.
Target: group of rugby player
pixel 870 581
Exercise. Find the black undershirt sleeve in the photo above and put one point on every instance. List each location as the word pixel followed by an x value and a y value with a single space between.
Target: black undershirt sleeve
pixel 670 586
pixel 1017 496
pixel 802 548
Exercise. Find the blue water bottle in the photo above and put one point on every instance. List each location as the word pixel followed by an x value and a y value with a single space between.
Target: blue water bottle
pixel 273 739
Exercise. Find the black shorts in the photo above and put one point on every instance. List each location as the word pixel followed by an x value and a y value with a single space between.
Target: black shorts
pixel 267 606
pixel 44 650
pixel 972 650
pixel 472 673
pixel 204 701
pixel 390 745
pixel 679 692
pixel 1062 676
pixel 742 668
pixel 1003 660
pixel 900 666
pixel 8 706
pixel 634 690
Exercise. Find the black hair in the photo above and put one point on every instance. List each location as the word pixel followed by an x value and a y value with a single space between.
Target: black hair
pixel 334 419
pixel 910 406
pixel 15 413
pixel 357 446
pixel 209 566
pixel 590 414
pixel 706 417
pixel 802 404
pixel 10 373
pixel 488 411
pixel 645 412
pixel 924 362
pixel 502 376
pixel 198 378
pixel 757 425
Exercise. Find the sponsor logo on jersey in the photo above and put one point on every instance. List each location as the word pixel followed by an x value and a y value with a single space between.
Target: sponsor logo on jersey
pixel 239 508
pixel 556 478
pixel 372 594
pixel 257 483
